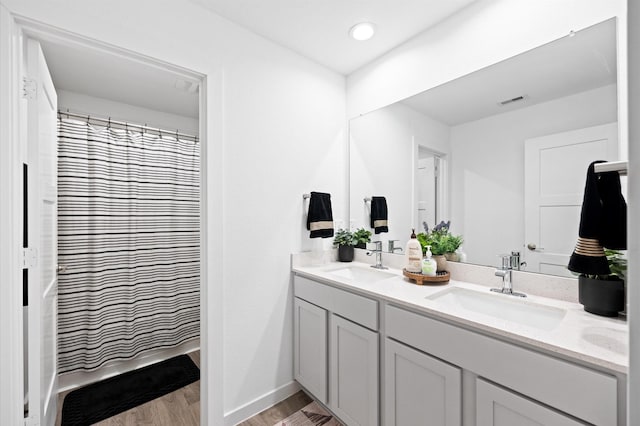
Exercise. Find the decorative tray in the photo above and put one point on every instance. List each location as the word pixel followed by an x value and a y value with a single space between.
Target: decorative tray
pixel 439 279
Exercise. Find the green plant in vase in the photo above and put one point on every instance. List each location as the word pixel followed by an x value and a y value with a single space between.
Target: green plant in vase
pixel 443 243
pixel 605 294
pixel 345 241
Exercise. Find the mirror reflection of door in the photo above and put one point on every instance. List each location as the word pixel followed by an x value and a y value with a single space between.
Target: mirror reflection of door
pixel 554 178
pixel 429 188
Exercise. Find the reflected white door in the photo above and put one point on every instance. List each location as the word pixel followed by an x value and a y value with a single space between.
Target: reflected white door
pixel 430 189
pixel 42 239
pixel 555 172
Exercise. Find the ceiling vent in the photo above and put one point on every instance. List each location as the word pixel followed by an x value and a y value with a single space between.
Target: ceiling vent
pixel 512 100
pixel 186 86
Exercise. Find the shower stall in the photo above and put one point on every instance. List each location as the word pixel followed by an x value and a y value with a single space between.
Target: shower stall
pixel 128 240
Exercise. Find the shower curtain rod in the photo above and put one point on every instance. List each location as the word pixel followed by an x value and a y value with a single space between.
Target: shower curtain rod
pixel 125 125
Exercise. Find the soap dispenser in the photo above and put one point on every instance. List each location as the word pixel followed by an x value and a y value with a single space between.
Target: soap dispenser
pixel 429 265
pixel 413 254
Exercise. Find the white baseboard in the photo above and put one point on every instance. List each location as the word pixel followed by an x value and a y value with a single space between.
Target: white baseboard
pixel 78 379
pixel 260 404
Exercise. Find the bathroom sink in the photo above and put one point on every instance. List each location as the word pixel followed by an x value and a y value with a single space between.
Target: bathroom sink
pixel 500 306
pixel 355 273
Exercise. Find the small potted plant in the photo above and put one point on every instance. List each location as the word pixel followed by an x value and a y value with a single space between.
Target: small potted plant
pixel 442 243
pixel 604 294
pixel 363 236
pixel 345 241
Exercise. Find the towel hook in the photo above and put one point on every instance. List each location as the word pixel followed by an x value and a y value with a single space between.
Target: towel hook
pixel 306 196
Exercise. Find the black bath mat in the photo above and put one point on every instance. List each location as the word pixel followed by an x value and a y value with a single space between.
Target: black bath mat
pixel 101 400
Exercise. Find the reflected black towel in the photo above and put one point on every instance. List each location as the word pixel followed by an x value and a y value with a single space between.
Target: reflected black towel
pixel 320 216
pixel 379 214
pixel 603 223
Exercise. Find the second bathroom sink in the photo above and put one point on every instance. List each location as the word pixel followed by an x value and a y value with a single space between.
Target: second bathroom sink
pixel 500 307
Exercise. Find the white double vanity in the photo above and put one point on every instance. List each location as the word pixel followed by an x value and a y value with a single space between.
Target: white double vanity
pixel 377 349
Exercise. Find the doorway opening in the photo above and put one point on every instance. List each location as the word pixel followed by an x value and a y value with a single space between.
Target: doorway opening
pixel 430 184
pixel 124 93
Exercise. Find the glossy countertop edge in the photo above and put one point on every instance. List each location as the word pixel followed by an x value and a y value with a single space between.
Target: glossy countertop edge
pixel 567 339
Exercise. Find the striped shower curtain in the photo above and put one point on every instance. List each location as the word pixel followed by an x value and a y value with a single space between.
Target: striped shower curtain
pixel 128 234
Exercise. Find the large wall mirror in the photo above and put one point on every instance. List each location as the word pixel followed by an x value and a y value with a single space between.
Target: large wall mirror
pixel 502 153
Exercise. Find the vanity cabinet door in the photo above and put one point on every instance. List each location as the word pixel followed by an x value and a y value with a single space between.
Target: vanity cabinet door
pixel 310 348
pixel 420 389
pixel 353 367
pixel 496 406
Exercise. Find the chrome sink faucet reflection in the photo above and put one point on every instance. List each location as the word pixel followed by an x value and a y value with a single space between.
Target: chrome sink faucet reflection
pixel 378 252
pixel 505 272
pixel 393 247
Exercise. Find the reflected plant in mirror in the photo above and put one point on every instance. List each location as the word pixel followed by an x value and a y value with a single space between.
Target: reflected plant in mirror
pixel 505 147
pixel 362 236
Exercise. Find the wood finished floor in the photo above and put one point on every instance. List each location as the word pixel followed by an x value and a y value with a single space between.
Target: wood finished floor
pixel 182 408
pixel 280 411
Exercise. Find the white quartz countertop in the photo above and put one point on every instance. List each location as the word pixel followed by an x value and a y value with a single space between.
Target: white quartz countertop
pixel 591 339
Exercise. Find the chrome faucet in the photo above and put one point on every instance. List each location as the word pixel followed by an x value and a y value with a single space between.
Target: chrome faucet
pixel 393 247
pixel 505 272
pixel 378 252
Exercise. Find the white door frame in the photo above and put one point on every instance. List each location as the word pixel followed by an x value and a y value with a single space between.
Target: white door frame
pixel 12 30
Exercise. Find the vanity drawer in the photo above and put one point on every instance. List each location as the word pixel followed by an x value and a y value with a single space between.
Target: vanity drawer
pixel 584 393
pixel 356 308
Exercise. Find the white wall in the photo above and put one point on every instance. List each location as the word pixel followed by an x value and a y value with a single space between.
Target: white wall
pixel 633 232
pixel 105 108
pixel 487 173
pixel 480 35
pixel 383 161
pixel 281 132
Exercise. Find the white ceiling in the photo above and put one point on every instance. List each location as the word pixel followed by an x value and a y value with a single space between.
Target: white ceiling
pixel 567 66
pixel 95 73
pixel 319 29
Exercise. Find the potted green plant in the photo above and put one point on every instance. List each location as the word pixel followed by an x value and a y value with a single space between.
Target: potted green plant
pixel 363 236
pixel 345 241
pixel 442 243
pixel 604 294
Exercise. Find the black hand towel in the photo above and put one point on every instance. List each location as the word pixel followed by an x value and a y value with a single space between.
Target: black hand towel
pixel 602 223
pixel 379 214
pixel 613 224
pixel 320 216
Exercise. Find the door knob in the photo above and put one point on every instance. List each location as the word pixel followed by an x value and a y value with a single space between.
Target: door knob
pixel 533 247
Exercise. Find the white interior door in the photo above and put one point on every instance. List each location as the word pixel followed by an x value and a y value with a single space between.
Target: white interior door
pixel 42 239
pixel 430 188
pixel 555 173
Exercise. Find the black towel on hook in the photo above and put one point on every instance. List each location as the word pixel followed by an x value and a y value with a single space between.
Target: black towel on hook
pixel 379 215
pixel 320 216
pixel 603 223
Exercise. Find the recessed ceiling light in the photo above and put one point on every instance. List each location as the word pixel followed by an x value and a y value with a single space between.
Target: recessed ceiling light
pixel 362 31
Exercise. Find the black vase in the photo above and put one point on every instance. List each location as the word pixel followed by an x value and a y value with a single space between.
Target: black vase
pixel 601 297
pixel 361 245
pixel 345 253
